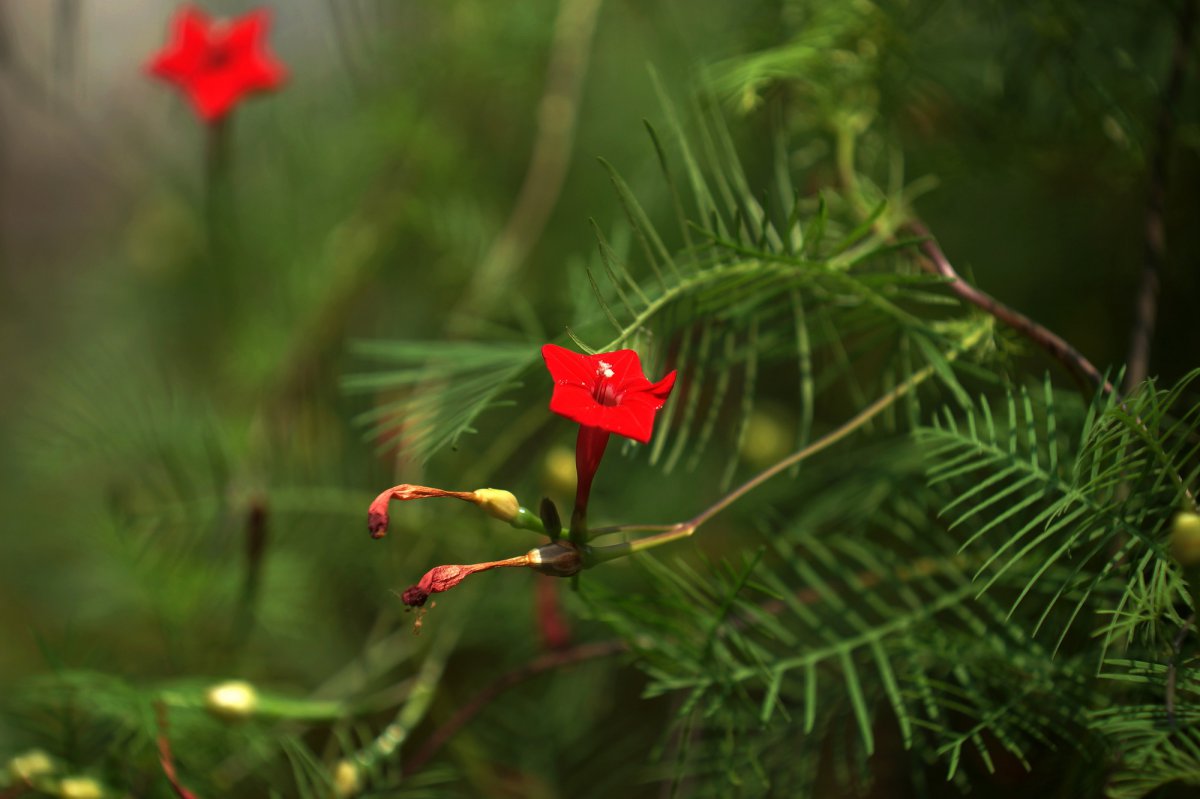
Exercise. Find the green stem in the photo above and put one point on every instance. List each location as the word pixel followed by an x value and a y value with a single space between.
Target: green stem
pixel 685 529
pixel 281 707
pixel 844 154
pixel 415 706
pixel 528 520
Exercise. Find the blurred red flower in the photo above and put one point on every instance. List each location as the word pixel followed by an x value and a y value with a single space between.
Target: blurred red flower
pixel 216 63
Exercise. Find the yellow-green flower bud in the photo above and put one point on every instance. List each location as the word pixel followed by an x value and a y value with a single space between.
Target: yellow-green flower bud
pixel 1185 538
pixel 80 788
pixel 498 503
pixel 232 700
pixel 31 765
pixel 347 778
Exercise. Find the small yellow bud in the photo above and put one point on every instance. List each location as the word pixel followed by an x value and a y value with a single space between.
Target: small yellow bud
pixel 498 503
pixel 80 788
pixel 31 765
pixel 347 779
pixel 232 700
pixel 1185 538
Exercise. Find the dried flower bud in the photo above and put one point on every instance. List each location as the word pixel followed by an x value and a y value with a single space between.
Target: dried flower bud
pixel 347 778
pixel 80 788
pixel 498 503
pixel 232 700
pixel 1185 538
pixel 559 559
pixel 443 578
pixel 414 596
pixel 31 765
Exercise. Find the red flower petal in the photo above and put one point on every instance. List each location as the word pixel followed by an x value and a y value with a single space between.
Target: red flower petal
pixel 183 56
pixel 215 64
pixel 607 391
pixel 568 367
pixel 254 66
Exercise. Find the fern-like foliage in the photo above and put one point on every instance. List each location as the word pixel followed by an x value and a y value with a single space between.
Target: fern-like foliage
pixel 1066 515
pixel 434 391
pixel 1062 514
pixel 871 623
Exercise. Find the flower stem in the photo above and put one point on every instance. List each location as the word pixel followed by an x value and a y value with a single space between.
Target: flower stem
pixel 415 706
pixel 217 199
pixel 685 529
pixel 528 520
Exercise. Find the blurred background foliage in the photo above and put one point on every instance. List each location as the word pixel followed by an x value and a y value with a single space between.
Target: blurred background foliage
pixel 182 474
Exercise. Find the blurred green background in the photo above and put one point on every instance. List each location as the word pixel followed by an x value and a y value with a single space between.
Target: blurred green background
pixel 165 401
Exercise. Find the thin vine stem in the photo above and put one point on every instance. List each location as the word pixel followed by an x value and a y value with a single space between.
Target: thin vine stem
pixel 684 529
pixel 1051 342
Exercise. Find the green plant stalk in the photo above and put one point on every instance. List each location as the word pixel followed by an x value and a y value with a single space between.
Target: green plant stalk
pixel 415 706
pixel 595 555
pixel 527 520
pixel 268 706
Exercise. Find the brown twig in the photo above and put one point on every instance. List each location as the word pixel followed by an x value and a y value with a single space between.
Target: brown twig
pixel 1051 342
pixel 543 663
pixel 1146 307
pixel 1071 358
pixel 164 753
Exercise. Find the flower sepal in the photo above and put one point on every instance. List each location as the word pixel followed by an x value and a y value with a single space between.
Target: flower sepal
pixel 557 559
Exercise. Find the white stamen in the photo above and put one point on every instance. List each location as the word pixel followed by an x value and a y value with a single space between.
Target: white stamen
pixel 606 369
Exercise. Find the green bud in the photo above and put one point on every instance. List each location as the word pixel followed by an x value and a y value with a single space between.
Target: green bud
pixel 498 503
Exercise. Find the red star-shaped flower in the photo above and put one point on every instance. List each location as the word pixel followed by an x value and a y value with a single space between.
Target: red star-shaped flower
pixel 607 391
pixel 216 63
